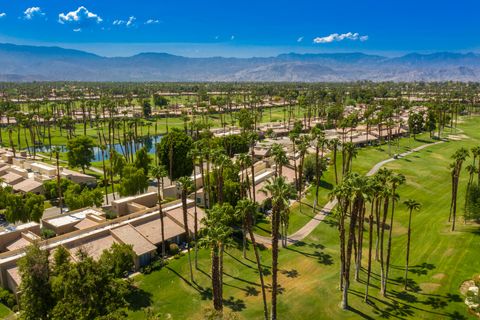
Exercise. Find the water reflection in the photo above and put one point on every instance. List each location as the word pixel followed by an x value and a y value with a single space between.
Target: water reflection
pixel 149 142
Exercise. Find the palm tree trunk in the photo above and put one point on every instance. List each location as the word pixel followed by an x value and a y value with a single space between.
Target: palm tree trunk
pixel 217 298
pixel 382 233
pixel 275 227
pixel 408 248
pixel 259 267
pixel 370 242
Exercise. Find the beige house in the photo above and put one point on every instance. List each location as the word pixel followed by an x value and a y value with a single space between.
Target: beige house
pixel 91 233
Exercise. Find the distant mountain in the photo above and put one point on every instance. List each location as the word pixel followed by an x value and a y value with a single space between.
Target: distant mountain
pixel 29 63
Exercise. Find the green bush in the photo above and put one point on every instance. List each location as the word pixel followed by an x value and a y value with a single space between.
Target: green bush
pixel 7 298
pixel 47 233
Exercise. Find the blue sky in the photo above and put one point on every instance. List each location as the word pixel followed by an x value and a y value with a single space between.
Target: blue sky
pixel 243 28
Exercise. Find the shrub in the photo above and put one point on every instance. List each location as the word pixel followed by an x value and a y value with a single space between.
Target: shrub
pixel 47 233
pixel 173 248
pixel 7 298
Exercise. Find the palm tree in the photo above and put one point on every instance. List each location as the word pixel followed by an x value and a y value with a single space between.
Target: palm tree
pixel 159 172
pixel 459 156
pixel 56 150
pixel 185 184
pixel 319 136
pixel 279 157
pixel 217 234
pixel 105 179
pixel 476 154
pixel 351 195
pixel 374 198
pixel 411 205
pixel 395 181
pixel 253 138
pixel 247 209
pixel 334 144
pixel 303 144
pixel 280 191
pixel 244 161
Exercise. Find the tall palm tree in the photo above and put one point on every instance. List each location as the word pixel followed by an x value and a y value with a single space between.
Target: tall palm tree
pixel 185 184
pixel 244 160
pixel 279 157
pixel 303 144
pixel 374 198
pixel 334 145
pixel 476 155
pixel 318 135
pixel 57 150
pixel 459 156
pixel 247 209
pixel 217 234
pixel 280 192
pixel 411 205
pixel 159 172
pixel 395 181
pixel 253 136
pixel 351 195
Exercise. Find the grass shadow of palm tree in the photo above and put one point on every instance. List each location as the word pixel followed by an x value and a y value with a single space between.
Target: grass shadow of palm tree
pixel 290 273
pixel 236 305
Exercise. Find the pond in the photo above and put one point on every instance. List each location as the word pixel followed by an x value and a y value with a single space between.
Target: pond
pixel 149 142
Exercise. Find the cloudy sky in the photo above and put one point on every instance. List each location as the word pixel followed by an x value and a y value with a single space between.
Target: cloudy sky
pixel 243 28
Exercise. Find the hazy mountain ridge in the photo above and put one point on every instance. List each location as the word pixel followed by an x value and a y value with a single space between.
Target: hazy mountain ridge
pixel 28 63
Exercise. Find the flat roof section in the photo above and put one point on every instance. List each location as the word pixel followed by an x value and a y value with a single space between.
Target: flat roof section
pixel 72 217
pixel 27 185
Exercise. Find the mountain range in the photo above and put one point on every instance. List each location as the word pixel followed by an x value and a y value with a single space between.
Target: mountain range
pixel 31 63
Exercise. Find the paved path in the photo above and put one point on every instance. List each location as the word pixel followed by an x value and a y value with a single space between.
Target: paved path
pixel 327 209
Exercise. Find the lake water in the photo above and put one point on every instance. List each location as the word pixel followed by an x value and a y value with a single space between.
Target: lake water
pixel 149 142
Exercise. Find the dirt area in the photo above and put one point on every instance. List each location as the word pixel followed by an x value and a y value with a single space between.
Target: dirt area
pixel 429 287
pixel 439 276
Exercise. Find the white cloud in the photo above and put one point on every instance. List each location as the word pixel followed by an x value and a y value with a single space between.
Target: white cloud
pixel 30 13
pixel 300 39
pixel 129 23
pixel 335 37
pixel 3 15
pixel 152 21
pixel 77 30
pixel 79 18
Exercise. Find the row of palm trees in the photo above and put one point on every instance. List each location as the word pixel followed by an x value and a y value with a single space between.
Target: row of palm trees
pixel 377 195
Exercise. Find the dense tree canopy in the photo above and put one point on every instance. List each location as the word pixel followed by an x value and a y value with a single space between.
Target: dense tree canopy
pixel 80 152
pixel 174 152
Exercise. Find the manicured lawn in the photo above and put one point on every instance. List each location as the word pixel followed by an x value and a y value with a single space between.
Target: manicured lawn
pixel 367 157
pixel 4 311
pixel 440 261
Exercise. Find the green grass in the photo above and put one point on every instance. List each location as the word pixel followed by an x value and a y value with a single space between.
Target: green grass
pixel 5 312
pixel 440 260
pixel 367 157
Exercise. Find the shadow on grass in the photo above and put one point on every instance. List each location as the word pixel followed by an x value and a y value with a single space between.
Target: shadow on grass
pixel 139 299
pixel 235 305
pixel 206 293
pixel 326 185
pixel 322 257
pixel 419 269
